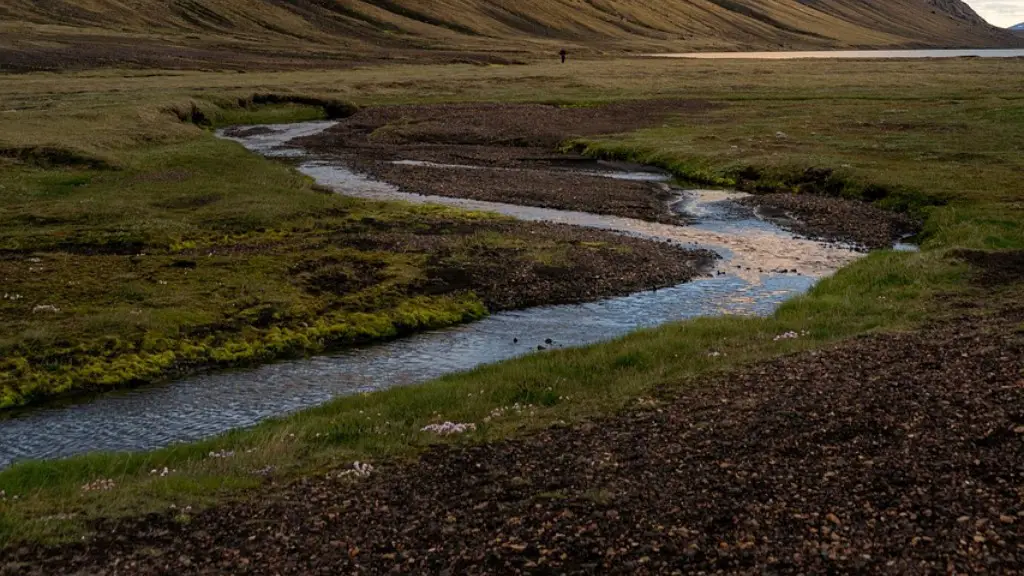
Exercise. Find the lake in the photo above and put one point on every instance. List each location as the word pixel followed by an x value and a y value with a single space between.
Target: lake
pixel 847 54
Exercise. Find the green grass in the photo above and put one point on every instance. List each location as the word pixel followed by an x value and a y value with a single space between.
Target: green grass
pixel 942 138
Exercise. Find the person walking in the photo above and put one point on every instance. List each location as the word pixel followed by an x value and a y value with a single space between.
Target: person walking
pixel 563 54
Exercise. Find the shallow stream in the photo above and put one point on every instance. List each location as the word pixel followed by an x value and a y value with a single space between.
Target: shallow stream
pixel 762 266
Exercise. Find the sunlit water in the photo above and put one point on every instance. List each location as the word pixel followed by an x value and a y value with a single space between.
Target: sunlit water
pixel 848 54
pixel 748 281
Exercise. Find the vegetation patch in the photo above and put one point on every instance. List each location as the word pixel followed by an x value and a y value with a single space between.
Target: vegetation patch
pixel 55 157
pixel 765 179
pixel 332 107
pixel 259 108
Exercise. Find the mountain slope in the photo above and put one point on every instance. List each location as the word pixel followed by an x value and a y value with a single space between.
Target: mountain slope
pixel 39 33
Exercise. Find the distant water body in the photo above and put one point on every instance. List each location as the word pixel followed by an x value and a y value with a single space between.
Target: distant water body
pixel 848 54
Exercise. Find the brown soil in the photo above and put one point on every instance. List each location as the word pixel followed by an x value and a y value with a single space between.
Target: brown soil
pixel 560 190
pixel 513 146
pixel 995 268
pixel 895 454
pixel 584 264
pixel 835 219
pixel 514 150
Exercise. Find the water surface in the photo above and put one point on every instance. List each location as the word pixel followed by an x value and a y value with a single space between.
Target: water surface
pixel 849 54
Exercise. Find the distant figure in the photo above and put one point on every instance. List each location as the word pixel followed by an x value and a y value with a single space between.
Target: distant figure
pixel 563 54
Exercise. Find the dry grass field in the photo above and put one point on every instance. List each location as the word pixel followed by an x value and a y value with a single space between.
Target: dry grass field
pixel 248 34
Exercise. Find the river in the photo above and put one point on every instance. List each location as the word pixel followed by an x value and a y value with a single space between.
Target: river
pixel 761 267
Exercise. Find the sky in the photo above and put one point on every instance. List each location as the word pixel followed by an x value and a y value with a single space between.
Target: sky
pixel 1003 13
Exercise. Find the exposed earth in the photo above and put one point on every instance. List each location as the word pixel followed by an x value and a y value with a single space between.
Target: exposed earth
pixel 896 453
pixel 586 265
pixel 511 153
pixel 835 219
pixel 502 152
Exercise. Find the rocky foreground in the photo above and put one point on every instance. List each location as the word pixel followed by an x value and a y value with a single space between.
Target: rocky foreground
pixel 899 453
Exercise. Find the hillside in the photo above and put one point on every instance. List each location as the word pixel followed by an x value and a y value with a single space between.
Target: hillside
pixel 195 33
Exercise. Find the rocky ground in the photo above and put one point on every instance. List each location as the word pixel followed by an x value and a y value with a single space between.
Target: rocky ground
pixel 513 148
pixel 583 265
pixel 835 219
pixel 509 153
pixel 899 453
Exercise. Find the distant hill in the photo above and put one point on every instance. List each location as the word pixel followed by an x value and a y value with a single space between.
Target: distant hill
pixel 1019 28
pixel 57 34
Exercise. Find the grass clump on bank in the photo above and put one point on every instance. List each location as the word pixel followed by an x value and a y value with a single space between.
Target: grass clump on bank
pixel 937 130
pixel 263 108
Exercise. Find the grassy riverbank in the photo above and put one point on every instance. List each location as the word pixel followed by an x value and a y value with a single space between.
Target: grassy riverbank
pixel 920 132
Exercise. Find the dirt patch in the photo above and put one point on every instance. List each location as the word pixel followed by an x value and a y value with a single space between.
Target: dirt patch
pixel 503 125
pixel 889 454
pixel 564 190
pixel 512 265
pixel 338 275
pixel 995 268
pixel 589 266
pixel 502 152
pixel 835 219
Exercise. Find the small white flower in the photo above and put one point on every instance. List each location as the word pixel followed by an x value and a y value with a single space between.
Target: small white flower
pixel 99 485
pixel 449 428
pixel 359 470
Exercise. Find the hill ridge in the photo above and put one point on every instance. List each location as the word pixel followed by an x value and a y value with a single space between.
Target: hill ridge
pixel 84 33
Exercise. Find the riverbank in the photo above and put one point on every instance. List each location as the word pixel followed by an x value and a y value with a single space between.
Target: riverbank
pixel 850 458
pixel 940 129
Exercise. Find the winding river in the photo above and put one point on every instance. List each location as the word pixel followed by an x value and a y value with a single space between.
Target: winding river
pixel 762 266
